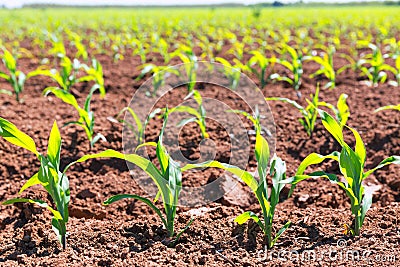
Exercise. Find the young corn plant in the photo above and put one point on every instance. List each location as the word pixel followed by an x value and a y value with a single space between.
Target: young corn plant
pixel 66 77
pixel 341 111
pixel 189 58
pixel 268 202
pixel 95 73
pixel 232 72
pixel 139 49
pixel 49 176
pixel 326 66
pixel 237 50
pixel 76 40
pixel 86 116
pixel 58 47
pixel 140 127
pixel 354 63
pixel 15 78
pixel 374 66
pixel 258 64
pixel 158 79
pixel 295 66
pixel 351 163
pixel 168 180
pixel 310 112
pixel 199 115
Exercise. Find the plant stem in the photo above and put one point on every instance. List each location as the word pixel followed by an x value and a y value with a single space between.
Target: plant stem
pixel 64 241
pixel 357 225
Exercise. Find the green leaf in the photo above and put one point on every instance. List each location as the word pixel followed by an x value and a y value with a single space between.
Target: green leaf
pixel 244 217
pixel 315 158
pixel 318 174
pixel 89 97
pixel 54 146
pixel 174 175
pixel 153 144
pixel 244 113
pixel 223 62
pixel 360 147
pixel 134 116
pixel 58 227
pixel 351 167
pixel 365 205
pixel 63 95
pixel 302 110
pixel 40 203
pixel 186 121
pixel 144 200
pixel 332 126
pixel 383 163
pixel 139 161
pixel 262 156
pixel 9 60
pixel 389 107
pixel 246 177
pixel 280 232
pixel 4 91
pixel 183 230
pixel 161 152
pixel 187 109
pixel 278 173
pixel 34 180
pixel 11 133
pixel 343 108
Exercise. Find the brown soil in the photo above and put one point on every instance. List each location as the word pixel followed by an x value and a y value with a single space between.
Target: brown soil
pixel 128 233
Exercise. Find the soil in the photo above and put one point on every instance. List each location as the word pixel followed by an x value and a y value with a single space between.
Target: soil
pixel 128 233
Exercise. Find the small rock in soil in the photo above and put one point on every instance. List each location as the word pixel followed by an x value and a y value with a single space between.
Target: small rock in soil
pixel 86 194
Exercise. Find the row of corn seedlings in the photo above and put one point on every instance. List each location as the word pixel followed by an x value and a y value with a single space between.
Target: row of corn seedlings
pixel 168 177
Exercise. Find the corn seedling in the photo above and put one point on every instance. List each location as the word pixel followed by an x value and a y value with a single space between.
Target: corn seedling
pixel 277 170
pixel 237 49
pixel 374 66
pixel 295 66
pixel 158 79
pixel 326 66
pixel 76 40
pixel 199 114
pixel 163 50
pixel 66 77
pixel 95 73
pixel 168 180
pixel 341 111
pixel 15 78
pixel 49 175
pixel 393 47
pixel 140 127
pixel 351 163
pixel 58 48
pixel 310 111
pixel 232 72
pixel 258 65
pixel 190 61
pixel 139 49
pixel 86 116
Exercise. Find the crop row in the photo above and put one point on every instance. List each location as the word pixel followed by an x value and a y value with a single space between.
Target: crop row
pixel 280 62
pixel 168 177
